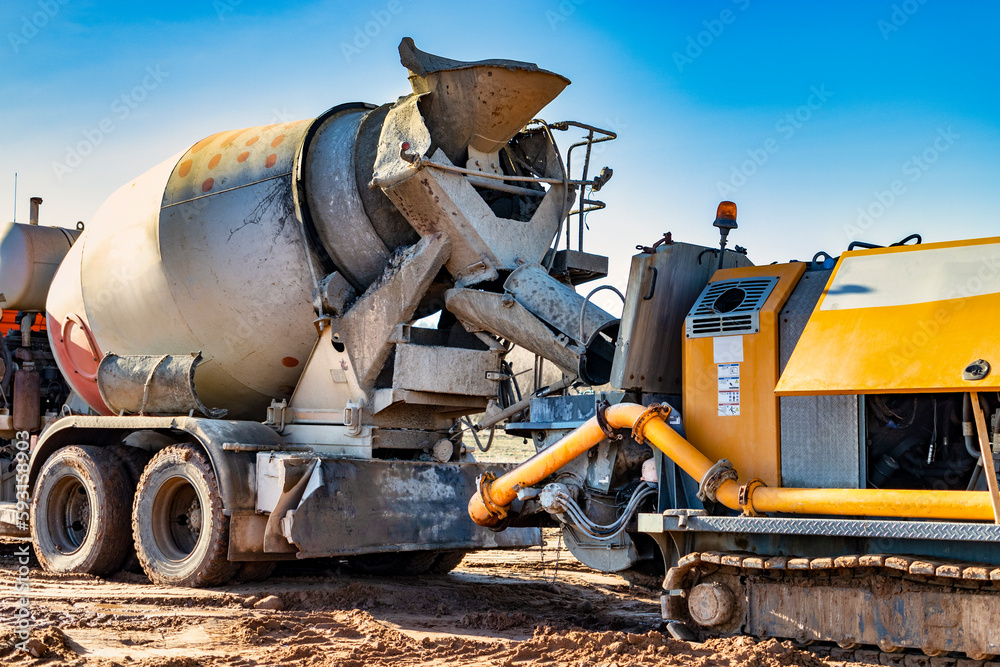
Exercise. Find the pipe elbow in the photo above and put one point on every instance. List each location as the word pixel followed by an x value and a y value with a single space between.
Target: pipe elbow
pixel 481 514
pixel 483 508
pixel 624 415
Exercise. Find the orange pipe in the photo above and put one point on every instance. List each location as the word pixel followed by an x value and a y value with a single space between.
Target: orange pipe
pixel 903 503
pixel 674 447
pixel 501 492
pixel 908 503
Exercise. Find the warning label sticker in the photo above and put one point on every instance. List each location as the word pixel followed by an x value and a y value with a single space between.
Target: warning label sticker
pixel 729 390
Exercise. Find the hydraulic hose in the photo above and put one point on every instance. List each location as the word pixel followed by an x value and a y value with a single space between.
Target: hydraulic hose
pixel 489 506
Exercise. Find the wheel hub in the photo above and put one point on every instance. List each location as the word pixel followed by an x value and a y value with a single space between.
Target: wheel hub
pixel 72 515
pixel 194 517
pixel 177 518
pixel 711 604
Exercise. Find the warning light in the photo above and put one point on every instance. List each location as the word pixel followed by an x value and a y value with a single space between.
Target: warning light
pixel 725 216
pixel 725 220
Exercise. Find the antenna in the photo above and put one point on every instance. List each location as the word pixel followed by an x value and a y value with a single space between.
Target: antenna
pixel 15 197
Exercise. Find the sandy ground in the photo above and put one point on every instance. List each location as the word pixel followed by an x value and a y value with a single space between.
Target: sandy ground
pixel 497 608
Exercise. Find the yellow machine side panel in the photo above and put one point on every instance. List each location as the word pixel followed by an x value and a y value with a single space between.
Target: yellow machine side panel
pixel 750 439
pixel 903 319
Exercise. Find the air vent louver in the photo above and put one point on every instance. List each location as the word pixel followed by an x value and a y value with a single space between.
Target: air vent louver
pixel 729 307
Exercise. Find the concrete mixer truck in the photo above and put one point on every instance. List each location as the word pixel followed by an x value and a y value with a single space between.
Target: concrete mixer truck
pixel 225 369
pixel 222 370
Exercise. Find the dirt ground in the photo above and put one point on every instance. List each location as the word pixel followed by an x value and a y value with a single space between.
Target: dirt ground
pixel 498 608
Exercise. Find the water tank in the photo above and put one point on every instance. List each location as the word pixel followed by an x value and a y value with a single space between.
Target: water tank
pixel 29 257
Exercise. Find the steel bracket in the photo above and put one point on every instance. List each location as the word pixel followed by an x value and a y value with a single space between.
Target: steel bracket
pixel 276 414
pixel 354 418
pixel 602 421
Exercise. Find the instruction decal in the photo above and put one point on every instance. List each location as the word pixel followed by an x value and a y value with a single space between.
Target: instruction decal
pixel 729 390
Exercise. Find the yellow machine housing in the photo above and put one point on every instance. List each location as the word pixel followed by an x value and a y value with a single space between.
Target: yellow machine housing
pixel 747 434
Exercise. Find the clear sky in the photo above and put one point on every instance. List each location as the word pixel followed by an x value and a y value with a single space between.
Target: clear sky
pixel 824 122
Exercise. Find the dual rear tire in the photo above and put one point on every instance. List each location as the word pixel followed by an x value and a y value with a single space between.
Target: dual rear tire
pixel 80 512
pixel 180 531
pixel 95 509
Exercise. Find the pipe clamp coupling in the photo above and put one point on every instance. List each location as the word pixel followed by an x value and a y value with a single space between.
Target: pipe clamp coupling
pixel 654 410
pixel 602 421
pixel 723 470
pixel 746 496
pixel 484 482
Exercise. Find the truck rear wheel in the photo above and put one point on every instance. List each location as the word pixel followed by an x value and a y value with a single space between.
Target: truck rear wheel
pixel 181 534
pixel 135 461
pixel 405 563
pixel 446 561
pixel 80 512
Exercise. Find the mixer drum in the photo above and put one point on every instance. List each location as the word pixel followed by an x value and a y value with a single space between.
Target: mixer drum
pixel 217 250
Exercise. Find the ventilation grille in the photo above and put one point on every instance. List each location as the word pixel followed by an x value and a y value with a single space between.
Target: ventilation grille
pixel 729 307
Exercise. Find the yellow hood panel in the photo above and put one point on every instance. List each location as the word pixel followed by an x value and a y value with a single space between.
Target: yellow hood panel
pixel 903 319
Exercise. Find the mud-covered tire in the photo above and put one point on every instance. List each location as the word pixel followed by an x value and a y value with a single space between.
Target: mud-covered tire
pixel 418 562
pixel 400 563
pixel 80 512
pixel 250 571
pixel 446 561
pixel 383 564
pixel 181 533
pixel 135 461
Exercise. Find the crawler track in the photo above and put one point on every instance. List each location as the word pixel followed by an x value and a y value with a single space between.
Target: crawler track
pixel 890 603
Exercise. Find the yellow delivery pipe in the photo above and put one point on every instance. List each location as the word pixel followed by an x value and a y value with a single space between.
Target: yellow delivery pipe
pixel 906 503
pixel 488 507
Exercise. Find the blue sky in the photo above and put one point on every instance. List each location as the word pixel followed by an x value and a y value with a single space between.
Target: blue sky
pixel 824 122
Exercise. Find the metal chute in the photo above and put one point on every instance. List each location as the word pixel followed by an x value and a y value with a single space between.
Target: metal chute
pixel 152 384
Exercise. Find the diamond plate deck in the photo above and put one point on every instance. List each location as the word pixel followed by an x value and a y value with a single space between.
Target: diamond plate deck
pixel 906 530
